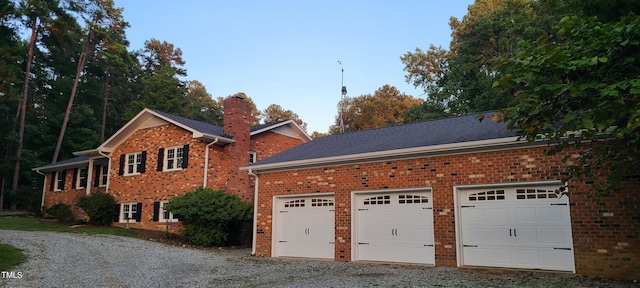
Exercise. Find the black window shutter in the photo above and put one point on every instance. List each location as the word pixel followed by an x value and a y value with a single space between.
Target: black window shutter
pixel 185 156
pixel 138 214
pixel 143 164
pixel 121 169
pixel 96 178
pixel 116 213
pixel 74 179
pixel 160 159
pixel 53 180
pixel 156 211
pixel 179 217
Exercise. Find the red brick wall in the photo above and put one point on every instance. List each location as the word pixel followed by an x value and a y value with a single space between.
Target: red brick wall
pixel 606 239
pixel 237 124
pixel 267 144
pixel 153 186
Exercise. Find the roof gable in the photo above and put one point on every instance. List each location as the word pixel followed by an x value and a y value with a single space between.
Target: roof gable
pixel 201 130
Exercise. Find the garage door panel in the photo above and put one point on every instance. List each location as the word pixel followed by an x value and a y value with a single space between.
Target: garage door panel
pixel 559 235
pixel 516 227
pixel 553 214
pixel 305 227
pixel 394 227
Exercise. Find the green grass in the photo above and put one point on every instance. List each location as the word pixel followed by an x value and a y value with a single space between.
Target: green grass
pixel 10 257
pixel 39 224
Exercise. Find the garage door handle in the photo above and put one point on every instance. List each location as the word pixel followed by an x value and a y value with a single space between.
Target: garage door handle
pixel 558 204
pixel 469 245
pixel 282 241
pixel 561 248
pixel 362 243
pixel 428 245
pixel 470 206
pixel 427 208
pixel 363 209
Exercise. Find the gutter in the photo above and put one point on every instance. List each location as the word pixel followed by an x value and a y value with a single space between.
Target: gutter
pixel 206 161
pixel 255 214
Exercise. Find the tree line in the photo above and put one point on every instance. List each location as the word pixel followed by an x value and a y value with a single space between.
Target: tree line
pixel 68 81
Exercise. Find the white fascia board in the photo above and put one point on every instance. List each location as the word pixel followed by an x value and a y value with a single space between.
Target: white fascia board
pixel 307 138
pixel 454 148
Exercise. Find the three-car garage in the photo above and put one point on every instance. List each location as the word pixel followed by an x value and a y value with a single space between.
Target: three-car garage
pixel 523 226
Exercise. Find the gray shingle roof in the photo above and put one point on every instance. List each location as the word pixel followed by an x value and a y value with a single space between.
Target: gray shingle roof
pixel 412 135
pixel 206 127
pixel 73 162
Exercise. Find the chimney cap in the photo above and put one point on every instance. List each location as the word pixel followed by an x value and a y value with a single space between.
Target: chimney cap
pixel 239 95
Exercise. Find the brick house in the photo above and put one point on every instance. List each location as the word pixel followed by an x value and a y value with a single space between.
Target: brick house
pixel 157 156
pixel 452 192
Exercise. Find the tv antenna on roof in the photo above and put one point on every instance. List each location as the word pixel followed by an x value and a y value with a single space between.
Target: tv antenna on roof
pixel 342 96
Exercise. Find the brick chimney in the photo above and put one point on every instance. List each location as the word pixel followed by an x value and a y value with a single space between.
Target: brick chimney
pixel 237 125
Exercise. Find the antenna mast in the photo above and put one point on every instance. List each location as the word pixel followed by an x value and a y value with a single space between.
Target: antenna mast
pixel 342 96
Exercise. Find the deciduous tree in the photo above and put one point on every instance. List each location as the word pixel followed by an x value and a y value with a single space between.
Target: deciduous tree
pixel 581 88
pixel 275 113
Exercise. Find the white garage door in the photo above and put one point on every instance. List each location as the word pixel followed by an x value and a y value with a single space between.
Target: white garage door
pixel 395 227
pixel 526 227
pixel 305 227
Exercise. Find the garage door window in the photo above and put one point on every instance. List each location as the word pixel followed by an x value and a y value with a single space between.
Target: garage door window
pixel 412 199
pixel 522 194
pixel 294 203
pixel 491 195
pixel 321 202
pixel 379 200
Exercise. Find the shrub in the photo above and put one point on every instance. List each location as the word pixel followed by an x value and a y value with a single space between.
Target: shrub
pixel 99 208
pixel 62 212
pixel 210 217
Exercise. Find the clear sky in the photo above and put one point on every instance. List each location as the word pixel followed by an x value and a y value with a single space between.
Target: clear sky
pixel 287 52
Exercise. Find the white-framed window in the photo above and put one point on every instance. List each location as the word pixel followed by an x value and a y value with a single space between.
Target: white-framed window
pixel 134 161
pixel 81 178
pixel 166 216
pixel 173 157
pixel 129 211
pixel 59 184
pixel 103 175
pixel 252 157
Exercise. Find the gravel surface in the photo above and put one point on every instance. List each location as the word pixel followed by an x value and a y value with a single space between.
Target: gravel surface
pixel 77 260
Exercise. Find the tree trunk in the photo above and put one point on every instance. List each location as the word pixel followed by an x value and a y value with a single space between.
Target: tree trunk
pixel 104 106
pixel 81 60
pixel 23 110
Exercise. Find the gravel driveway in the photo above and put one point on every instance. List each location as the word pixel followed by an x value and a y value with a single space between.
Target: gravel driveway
pixel 76 260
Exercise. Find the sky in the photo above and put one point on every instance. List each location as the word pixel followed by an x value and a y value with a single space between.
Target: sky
pixel 287 52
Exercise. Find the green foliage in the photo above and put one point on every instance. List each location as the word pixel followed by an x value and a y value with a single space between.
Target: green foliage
pixel 62 212
pixel 581 86
pixel 11 257
pixel 387 106
pixel 210 217
pixel 99 208
pixel 459 80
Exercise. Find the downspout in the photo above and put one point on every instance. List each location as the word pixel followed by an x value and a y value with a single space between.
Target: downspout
pixel 109 170
pixel 255 213
pixel 44 189
pixel 206 162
